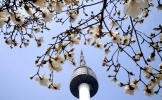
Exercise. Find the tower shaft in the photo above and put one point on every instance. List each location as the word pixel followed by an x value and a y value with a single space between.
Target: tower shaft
pixel 84 91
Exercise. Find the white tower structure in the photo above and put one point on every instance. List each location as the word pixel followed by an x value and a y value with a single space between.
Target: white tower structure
pixel 83 84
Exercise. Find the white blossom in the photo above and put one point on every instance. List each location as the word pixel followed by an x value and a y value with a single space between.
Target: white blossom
pixel 26 44
pixel 119 84
pixel 36 29
pixel 107 51
pixel 130 89
pixel 9 41
pixel 47 16
pixel 39 3
pixel 31 76
pixel 17 17
pixel 42 80
pixel 148 91
pixel 27 9
pixel 58 6
pixel 110 33
pixel 113 23
pixel 57 86
pixel 75 2
pixel 55 63
pixel 98 44
pixel 138 55
pixel 133 7
pixel 160 35
pixel 115 37
pixel 55 66
pixel 133 41
pixel 125 40
pixel 151 58
pixel 160 65
pixel 67 1
pixel 58 46
pixel 73 41
pixel 40 41
pixel 72 15
pixel 89 40
pixel 69 56
pixel 96 35
pixel 147 70
pixel 3 18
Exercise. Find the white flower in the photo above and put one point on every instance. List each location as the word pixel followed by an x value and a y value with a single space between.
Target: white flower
pixel 9 41
pixel 158 78
pixel 152 57
pixel 26 44
pixel 17 17
pixel 113 23
pixel 133 41
pixel 133 7
pixel 55 63
pixel 96 35
pixel 55 66
pixel 36 30
pixel 75 2
pixel 125 40
pixel 3 18
pixel 115 37
pixel 110 33
pixel 130 89
pixel 160 35
pixel 97 28
pixel 47 16
pixel 91 27
pixel 107 51
pixel 27 9
pixel 69 56
pixel 119 84
pixel 58 59
pixel 98 44
pixel 152 83
pixel 138 55
pixel 72 15
pixel 114 80
pixel 73 41
pixel 31 76
pixel 160 65
pixel 56 86
pixel 58 46
pixel 42 80
pixel 39 3
pixel 58 6
pixel 147 71
pixel 40 41
pixel 134 81
pixel 67 1
pixel 89 40
pixel 148 91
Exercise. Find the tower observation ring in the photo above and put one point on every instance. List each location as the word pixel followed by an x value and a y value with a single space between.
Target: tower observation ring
pixel 83 74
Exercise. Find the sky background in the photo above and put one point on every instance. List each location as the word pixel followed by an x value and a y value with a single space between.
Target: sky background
pixel 16 65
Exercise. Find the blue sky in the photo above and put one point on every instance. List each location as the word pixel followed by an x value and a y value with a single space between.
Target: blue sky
pixel 17 64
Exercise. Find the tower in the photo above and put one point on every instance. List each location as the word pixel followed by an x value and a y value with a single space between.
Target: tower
pixel 83 83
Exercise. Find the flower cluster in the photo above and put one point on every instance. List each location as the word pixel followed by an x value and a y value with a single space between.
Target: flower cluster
pixel 43 81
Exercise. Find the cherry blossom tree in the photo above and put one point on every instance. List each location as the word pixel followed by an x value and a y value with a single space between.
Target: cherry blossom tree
pixel 114 28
